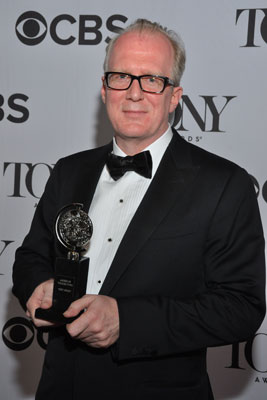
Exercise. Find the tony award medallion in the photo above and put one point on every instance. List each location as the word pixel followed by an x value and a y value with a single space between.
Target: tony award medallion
pixel 73 229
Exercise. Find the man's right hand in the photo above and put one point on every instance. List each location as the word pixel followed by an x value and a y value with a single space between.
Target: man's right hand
pixel 41 297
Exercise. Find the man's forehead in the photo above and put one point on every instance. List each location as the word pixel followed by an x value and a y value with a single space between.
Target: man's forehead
pixel 143 43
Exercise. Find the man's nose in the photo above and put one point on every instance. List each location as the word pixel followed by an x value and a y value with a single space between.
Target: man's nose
pixel 135 92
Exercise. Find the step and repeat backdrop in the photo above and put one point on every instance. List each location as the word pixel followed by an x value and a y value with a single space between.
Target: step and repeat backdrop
pixel 51 56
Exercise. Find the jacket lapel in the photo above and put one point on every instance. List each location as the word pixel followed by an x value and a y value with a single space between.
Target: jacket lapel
pixel 87 176
pixel 175 173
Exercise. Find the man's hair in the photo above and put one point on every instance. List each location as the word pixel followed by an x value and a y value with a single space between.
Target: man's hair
pixel 146 26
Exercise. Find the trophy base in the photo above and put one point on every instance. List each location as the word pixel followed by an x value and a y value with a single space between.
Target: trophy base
pixel 54 315
pixel 69 285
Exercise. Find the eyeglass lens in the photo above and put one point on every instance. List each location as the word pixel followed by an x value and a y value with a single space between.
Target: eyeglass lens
pixel 123 81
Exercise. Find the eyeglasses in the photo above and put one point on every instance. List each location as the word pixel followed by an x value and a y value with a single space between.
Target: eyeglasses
pixel 148 83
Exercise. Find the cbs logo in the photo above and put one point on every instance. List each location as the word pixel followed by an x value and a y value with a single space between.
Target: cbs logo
pixel 13 103
pixel 32 28
pixel 260 191
pixel 18 334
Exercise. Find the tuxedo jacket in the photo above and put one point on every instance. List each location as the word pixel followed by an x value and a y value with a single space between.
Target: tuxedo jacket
pixel 189 274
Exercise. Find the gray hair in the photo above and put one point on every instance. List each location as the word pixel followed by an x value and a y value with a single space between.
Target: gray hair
pixel 144 25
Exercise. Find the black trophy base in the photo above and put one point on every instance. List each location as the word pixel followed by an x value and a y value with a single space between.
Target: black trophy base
pixel 69 285
pixel 53 315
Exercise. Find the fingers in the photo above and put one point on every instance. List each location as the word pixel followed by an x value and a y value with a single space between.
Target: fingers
pixel 98 326
pixel 79 305
pixel 47 296
pixel 77 328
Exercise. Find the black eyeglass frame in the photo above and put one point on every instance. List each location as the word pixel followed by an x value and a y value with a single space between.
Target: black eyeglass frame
pixel 167 81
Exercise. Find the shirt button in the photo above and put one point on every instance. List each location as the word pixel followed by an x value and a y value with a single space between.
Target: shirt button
pixel 98 281
pixel 109 240
pixel 121 200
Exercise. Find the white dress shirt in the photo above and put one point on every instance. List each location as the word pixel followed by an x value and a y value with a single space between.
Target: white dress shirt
pixel 112 208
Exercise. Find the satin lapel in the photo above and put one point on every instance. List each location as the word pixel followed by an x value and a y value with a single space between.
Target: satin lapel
pixel 87 176
pixel 174 174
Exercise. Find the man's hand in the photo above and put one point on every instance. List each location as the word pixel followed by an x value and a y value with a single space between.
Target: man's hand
pixel 41 297
pixel 98 326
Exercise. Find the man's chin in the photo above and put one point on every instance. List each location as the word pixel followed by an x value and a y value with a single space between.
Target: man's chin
pixel 133 134
pixel 130 128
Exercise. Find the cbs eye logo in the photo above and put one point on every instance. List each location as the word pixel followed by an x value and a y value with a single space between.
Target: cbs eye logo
pixel 18 334
pixel 31 28
pixel 258 189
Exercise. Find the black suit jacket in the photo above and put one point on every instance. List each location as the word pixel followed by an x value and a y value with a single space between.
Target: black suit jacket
pixel 189 274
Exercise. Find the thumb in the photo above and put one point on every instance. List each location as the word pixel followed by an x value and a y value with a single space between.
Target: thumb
pixel 79 305
pixel 47 299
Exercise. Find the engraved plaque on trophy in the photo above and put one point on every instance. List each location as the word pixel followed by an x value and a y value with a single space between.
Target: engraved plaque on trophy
pixel 73 229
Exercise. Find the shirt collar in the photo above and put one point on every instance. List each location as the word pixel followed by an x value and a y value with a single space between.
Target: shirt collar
pixel 157 148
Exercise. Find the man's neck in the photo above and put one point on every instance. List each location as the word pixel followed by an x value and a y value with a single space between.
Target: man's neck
pixel 132 146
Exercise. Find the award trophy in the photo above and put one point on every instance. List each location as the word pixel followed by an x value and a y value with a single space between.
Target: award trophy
pixel 73 229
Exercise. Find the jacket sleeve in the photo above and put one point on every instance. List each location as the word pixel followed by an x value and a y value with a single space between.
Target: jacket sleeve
pixel 232 306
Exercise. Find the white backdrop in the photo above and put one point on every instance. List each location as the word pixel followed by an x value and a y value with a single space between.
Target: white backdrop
pixel 50 78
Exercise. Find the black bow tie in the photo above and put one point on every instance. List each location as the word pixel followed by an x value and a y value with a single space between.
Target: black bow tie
pixel 140 163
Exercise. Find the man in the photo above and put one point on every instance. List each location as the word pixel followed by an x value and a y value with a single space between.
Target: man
pixel 176 257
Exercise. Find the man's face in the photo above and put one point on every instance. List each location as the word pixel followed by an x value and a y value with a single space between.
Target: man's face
pixel 138 117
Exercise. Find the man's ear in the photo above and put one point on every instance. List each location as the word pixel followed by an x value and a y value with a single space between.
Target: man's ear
pixel 103 90
pixel 176 97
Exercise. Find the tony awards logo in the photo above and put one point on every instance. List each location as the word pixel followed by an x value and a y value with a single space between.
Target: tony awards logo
pixel 73 229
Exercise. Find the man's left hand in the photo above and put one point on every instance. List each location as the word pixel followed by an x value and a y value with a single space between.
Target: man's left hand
pixel 98 325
